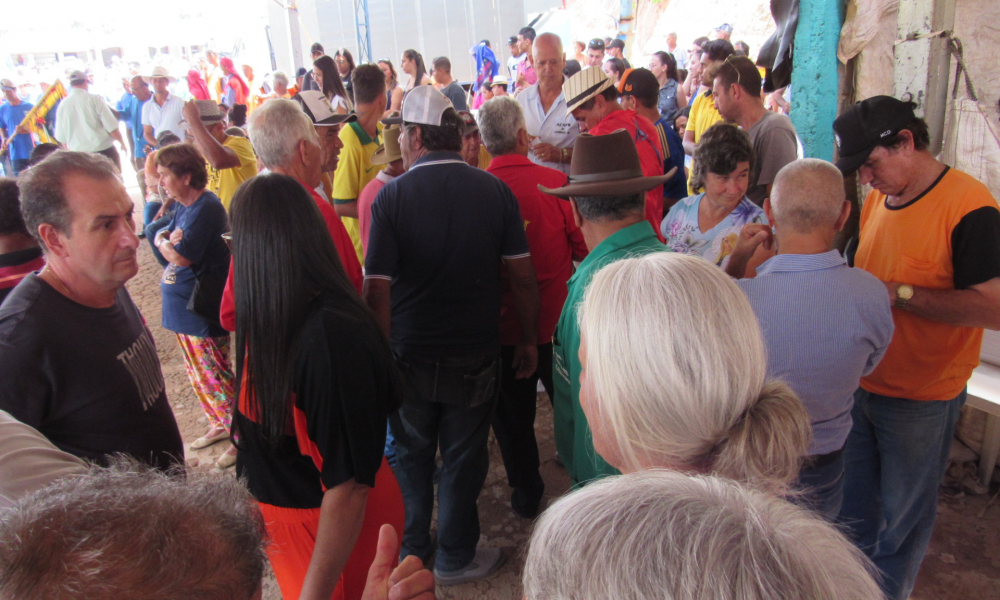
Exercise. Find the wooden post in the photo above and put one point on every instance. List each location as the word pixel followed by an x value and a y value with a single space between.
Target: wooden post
pixel 922 59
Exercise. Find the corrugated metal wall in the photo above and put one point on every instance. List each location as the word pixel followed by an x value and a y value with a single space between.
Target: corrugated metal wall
pixel 432 27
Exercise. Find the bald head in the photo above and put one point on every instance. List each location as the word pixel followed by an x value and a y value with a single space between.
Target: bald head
pixel 808 197
pixel 550 41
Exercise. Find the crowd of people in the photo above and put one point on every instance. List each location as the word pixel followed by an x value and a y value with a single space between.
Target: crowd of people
pixel 745 408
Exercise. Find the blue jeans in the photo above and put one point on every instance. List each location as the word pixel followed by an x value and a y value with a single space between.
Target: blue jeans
pixel 895 457
pixel 449 403
pixel 821 485
pixel 151 227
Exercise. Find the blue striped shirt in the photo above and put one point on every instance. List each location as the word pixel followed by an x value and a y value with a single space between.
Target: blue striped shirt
pixel 825 326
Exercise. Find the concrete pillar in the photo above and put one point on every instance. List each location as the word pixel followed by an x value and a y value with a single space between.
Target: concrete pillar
pixel 814 75
pixel 923 61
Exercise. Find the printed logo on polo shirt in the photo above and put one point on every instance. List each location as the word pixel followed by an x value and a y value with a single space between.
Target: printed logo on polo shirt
pixel 526 224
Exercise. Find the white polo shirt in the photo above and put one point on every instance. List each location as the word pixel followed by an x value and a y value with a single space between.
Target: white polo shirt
pixel 554 127
pixel 162 118
pixel 84 122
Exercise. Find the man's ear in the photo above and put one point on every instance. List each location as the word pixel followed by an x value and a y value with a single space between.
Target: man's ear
pixel 768 211
pixel 303 151
pixel 845 214
pixel 416 141
pixel 53 240
pixel 577 218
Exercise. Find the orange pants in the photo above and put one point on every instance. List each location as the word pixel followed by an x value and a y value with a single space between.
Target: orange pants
pixel 293 536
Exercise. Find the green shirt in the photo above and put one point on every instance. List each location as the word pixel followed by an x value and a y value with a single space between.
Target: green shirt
pixel 573 437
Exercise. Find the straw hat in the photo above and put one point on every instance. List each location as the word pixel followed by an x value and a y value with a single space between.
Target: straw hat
pixel 583 86
pixel 606 165
pixel 159 72
pixel 389 150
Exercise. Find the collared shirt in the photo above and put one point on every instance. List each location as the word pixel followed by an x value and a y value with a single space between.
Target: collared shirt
pixel 573 439
pixel 130 112
pixel 162 118
pixel 354 171
pixel 554 127
pixel 84 122
pixel 438 233
pixel 513 64
pixel 553 237
pixel 825 326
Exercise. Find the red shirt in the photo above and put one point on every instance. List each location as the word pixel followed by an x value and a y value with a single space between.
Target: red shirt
pixel 647 143
pixel 341 241
pixel 554 239
pixel 365 200
pixel 14 266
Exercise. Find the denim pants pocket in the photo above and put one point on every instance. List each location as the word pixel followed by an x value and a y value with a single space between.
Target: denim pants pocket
pixel 464 383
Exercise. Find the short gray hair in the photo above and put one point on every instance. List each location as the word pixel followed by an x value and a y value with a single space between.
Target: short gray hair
pixel 677 367
pixel 660 534
pixel 276 128
pixel 500 120
pixel 129 531
pixel 808 194
pixel 598 209
pixel 280 76
pixel 43 193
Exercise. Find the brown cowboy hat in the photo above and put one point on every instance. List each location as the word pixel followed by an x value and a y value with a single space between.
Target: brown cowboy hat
pixel 389 150
pixel 606 165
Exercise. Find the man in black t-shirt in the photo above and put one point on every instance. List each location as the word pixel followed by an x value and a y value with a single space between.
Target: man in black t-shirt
pixel 76 358
pixel 439 237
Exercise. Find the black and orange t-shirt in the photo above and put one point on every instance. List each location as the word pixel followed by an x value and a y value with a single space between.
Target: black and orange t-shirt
pixel 946 238
pixel 342 393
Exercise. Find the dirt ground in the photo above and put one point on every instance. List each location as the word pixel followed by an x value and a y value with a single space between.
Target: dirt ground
pixel 963 561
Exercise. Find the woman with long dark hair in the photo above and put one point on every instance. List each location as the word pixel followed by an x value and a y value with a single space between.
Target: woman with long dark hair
pixel 412 64
pixel 671 95
pixel 345 67
pixel 327 77
pixel 316 386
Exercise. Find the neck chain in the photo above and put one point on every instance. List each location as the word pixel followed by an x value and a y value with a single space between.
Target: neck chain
pixel 65 290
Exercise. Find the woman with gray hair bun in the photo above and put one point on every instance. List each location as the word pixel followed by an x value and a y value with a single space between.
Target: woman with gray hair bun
pixel 673 375
pixel 661 535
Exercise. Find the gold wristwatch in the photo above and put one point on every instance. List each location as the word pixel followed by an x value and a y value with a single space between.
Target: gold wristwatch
pixel 903 294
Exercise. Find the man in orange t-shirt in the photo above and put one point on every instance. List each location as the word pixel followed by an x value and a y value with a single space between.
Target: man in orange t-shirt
pixel 932 235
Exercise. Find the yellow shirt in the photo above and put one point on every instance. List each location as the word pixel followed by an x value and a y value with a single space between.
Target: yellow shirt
pixel 224 182
pixel 354 171
pixel 703 115
pixel 484 157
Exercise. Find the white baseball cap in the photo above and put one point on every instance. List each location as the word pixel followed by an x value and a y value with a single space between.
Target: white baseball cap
pixel 423 105
pixel 319 109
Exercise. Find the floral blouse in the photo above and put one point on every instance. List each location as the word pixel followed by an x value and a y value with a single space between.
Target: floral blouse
pixel 681 231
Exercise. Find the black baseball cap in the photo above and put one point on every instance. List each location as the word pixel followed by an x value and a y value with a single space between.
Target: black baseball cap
pixel 596 44
pixel 512 40
pixel 860 129
pixel 640 83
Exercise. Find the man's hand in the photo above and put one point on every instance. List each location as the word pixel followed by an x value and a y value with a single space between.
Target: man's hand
pixel 22 130
pixel 190 112
pixel 525 360
pixel 752 236
pixel 409 581
pixel 161 212
pixel 547 152
pixel 176 236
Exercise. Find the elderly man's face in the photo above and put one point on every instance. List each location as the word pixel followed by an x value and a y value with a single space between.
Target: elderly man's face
pixel 470 147
pixel 549 63
pixel 101 247
pixel 140 89
pixel 329 141
pixel 594 57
